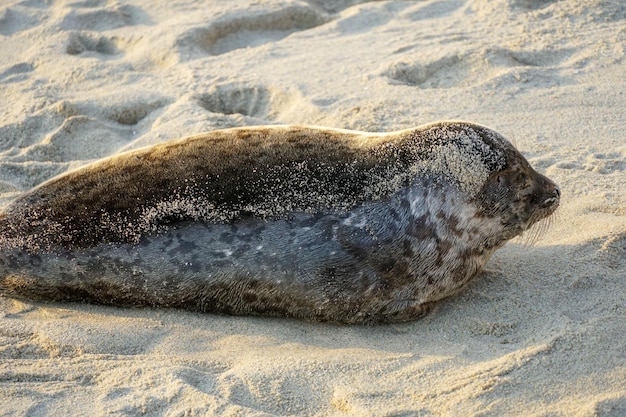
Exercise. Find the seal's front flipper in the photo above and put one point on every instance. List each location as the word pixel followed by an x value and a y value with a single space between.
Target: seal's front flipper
pixel 405 310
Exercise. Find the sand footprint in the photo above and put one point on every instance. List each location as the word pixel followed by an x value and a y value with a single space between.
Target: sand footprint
pixel 86 130
pixel 337 6
pixel 487 65
pixel 238 98
pixel 239 30
pixel 133 112
pixel 434 9
pixel 364 18
pixel 599 163
pixel 437 73
pixel 15 73
pixel 605 163
pixel 613 251
pixel 79 42
pixel 256 101
pixel 568 165
pixel 32 127
pixel 16 19
pixel 92 17
pixel 78 138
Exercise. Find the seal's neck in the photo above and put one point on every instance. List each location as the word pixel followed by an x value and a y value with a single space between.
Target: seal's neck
pixel 455 219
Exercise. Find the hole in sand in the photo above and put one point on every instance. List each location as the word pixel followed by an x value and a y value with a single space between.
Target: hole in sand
pixel 254 101
pixel 80 42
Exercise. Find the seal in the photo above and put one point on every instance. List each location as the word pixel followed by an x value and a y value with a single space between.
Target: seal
pixel 292 221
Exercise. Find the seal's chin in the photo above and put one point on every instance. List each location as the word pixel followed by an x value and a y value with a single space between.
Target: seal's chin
pixel 535 213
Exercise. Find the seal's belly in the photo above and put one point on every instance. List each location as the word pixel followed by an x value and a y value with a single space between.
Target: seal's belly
pixel 252 266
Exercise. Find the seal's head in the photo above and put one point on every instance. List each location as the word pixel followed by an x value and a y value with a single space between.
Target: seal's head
pixel 519 196
pixel 487 172
pixel 515 193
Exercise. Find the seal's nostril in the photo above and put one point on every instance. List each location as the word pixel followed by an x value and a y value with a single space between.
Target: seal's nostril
pixel 557 191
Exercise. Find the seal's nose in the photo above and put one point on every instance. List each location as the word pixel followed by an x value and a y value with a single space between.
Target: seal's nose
pixel 550 195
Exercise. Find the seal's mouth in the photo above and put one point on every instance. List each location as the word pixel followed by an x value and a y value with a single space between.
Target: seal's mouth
pixel 545 197
pixel 554 200
pixel 548 202
pixel 542 218
pixel 551 202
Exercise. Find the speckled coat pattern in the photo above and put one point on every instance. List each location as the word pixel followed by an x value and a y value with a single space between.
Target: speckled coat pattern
pixel 306 222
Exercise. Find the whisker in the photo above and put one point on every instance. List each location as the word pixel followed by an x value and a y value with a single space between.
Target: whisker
pixel 532 235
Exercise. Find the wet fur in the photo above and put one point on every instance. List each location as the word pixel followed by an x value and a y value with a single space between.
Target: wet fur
pixel 299 222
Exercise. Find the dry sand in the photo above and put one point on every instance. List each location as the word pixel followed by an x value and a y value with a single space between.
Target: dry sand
pixel 541 333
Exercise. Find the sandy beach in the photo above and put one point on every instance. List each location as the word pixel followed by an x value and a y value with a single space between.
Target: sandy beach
pixel 541 332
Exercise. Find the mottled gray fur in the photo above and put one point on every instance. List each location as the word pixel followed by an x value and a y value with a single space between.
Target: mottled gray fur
pixel 312 223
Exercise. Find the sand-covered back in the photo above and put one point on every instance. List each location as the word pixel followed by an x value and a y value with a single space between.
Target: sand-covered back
pixel 542 332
